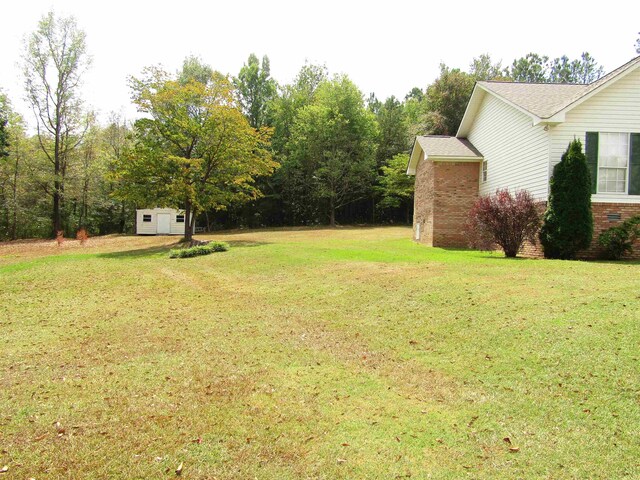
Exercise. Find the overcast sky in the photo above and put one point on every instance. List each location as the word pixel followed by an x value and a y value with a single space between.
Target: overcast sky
pixel 385 47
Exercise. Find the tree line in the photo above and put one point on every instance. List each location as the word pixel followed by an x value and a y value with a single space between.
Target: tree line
pixel 237 151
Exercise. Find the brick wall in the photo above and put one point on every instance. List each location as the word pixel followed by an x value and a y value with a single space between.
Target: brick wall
pixel 456 191
pixel 423 202
pixel 445 192
pixel 601 222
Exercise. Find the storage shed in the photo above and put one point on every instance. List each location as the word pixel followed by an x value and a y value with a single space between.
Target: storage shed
pixel 160 221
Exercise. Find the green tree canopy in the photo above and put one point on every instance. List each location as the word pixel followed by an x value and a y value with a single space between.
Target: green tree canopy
pixel 395 186
pixel 540 69
pixel 54 60
pixel 194 150
pixel 393 130
pixel 446 100
pixel 256 89
pixel 333 145
pixel 194 69
pixel 483 68
pixel 532 68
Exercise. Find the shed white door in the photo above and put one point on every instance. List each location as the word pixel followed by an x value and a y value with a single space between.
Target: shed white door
pixel 164 223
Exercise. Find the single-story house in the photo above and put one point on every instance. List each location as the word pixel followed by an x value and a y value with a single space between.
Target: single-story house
pixel 513 134
pixel 160 221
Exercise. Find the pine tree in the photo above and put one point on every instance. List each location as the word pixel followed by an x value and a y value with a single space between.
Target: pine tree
pixel 568 221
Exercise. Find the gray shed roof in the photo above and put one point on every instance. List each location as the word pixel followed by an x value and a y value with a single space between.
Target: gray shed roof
pixel 444 146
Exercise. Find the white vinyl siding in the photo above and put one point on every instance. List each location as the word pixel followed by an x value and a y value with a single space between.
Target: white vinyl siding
pixel 516 152
pixel 616 109
pixel 151 228
pixel 145 228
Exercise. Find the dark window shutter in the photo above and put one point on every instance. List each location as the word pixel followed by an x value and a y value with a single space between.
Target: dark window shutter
pixel 591 152
pixel 634 165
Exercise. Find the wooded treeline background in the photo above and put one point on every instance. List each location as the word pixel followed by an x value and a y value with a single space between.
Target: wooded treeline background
pixel 330 155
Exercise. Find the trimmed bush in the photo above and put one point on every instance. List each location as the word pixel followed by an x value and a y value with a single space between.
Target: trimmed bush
pixel 568 221
pixel 504 219
pixel 206 249
pixel 619 240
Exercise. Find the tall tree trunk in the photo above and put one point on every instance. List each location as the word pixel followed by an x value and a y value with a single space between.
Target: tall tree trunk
pixel 57 218
pixel 188 222
pixel 57 184
pixel 14 223
pixel 332 213
pixel 373 210
pixel 84 212
pixel 123 219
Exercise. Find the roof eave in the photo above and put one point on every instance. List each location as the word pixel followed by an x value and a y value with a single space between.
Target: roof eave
pixel 414 157
pixel 470 112
pixel 473 105
pixel 633 64
pixel 444 158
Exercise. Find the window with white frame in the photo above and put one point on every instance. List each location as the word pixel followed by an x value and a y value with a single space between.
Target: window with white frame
pixel 484 171
pixel 180 218
pixel 613 162
pixel 146 218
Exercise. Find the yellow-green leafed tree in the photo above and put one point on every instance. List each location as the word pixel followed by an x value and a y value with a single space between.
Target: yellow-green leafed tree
pixel 194 149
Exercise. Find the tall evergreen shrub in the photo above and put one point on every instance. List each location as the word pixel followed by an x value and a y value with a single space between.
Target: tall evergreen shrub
pixel 568 221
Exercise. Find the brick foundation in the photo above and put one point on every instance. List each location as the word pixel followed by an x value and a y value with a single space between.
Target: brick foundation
pixel 444 194
pixel 601 222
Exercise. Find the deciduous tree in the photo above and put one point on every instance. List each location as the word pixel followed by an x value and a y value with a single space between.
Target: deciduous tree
pixel 54 60
pixel 256 90
pixel 195 149
pixel 393 135
pixel 483 68
pixel 19 197
pixel 446 100
pixel 333 144
pixel 395 186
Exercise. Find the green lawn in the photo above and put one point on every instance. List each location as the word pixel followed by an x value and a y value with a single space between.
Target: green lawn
pixel 348 353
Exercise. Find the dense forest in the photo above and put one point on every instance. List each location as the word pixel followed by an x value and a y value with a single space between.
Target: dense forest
pixel 238 151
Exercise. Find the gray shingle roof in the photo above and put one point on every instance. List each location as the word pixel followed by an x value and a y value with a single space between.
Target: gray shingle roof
pixel 546 99
pixel 541 99
pixel 443 146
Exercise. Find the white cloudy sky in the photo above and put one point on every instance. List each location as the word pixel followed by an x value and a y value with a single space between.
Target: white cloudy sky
pixel 385 47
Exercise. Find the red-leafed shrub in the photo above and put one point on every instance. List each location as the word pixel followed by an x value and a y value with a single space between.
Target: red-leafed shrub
pixel 82 236
pixel 505 220
pixel 60 237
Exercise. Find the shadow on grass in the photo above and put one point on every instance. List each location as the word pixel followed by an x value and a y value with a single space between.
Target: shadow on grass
pixel 302 228
pixel 156 250
pixel 137 253
pixel 245 243
pixel 620 262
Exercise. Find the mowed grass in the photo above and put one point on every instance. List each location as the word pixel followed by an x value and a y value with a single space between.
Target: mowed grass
pixel 347 353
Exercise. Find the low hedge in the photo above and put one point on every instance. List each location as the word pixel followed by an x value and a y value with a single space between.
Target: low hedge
pixel 205 249
pixel 619 240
